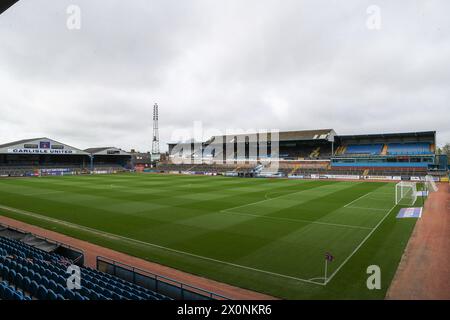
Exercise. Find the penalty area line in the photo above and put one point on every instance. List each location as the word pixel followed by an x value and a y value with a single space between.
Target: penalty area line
pixel 296 220
pixel 135 241
pixel 359 246
pixel 359 198
pixel 368 208
pixel 266 199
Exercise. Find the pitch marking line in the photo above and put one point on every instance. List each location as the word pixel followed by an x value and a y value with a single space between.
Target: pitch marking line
pixel 42 193
pixel 359 246
pixel 296 220
pixel 368 208
pixel 363 196
pixel 283 193
pixel 118 237
pixel 318 278
pixel 110 235
pixel 348 205
pixel 267 199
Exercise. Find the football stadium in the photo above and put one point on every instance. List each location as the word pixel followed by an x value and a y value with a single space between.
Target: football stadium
pixel 348 200
pixel 308 230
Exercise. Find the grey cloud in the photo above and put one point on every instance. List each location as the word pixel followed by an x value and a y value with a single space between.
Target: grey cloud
pixel 230 64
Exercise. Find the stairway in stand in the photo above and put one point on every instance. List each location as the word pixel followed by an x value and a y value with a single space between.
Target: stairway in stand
pixel 385 149
pixel 298 166
pixel 315 153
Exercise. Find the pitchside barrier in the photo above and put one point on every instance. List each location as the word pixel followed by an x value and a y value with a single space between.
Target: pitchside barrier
pixel 160 284
pixel 74 254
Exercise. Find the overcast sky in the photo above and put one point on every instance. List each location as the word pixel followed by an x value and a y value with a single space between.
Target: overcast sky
pixel 244 64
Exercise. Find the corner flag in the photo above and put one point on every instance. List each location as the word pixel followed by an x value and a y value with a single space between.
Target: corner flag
pixel 329 257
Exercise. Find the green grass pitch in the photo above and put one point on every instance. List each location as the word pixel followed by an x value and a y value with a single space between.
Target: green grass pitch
pixel 268 235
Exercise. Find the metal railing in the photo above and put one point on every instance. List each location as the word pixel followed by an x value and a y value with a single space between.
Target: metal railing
pixel 158 283
pixel 64 245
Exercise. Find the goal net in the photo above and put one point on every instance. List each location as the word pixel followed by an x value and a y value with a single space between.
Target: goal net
pixel 430 185
pixel 405 193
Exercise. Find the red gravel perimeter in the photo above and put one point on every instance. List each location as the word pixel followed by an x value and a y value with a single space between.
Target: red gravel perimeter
pixel 424 272
pixel 91 251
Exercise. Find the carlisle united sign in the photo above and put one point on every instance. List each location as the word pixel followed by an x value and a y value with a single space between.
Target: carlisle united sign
pixel 44 146
pixel 40 151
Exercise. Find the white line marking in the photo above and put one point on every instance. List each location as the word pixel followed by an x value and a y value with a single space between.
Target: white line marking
pixel 41 193
pixel 318 278
pixel 391 198
pixel 296 220
pixel 116 237
pixel 259 201
pixel 284 193
pixel 110 235
pixel 367 208
pixel 359 246
pixel 348 204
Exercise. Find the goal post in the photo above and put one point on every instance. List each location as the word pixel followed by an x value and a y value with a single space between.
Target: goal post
pixel 405 193
pixel 430 184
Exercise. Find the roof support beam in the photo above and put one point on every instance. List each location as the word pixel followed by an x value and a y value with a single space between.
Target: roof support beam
pixel 6 4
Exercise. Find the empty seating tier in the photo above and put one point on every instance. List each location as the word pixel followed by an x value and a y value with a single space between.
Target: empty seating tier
pixel 365 149
pixel 27 273
pixel 409 148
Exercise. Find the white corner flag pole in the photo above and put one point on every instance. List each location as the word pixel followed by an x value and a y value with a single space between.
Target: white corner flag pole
pixel 326 267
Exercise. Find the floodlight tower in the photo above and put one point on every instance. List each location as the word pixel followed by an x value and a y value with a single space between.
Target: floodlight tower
pixel 155 141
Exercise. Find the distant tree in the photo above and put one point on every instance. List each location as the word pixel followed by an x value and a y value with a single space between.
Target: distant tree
pixel 446 150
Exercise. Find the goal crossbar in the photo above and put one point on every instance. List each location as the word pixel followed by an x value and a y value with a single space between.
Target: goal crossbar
pixel 405 193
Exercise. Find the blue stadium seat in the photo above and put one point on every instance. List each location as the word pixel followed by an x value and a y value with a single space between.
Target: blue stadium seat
pixel 33 288
pixel 41 292
pixel 51 295
pixel 18 282
pixel 371 149
pixel 26 284
pixel 421 148
pixel 9 293
pixel 30 273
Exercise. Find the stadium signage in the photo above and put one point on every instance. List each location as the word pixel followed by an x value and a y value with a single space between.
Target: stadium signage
pixel 341 176
pixel 40 151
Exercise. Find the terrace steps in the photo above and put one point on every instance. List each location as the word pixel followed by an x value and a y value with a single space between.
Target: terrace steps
pixel 298 166
pixel 315 153
pixel 384 150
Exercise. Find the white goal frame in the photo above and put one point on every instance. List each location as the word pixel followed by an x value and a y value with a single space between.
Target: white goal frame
pixel 430 184
pixel 405 193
